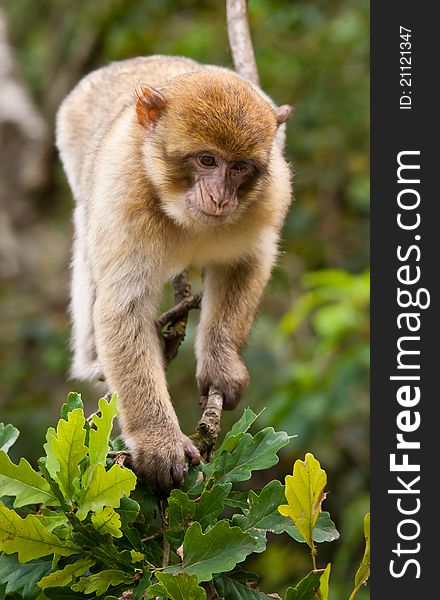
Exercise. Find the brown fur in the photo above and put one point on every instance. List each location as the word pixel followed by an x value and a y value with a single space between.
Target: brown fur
pixel 133 162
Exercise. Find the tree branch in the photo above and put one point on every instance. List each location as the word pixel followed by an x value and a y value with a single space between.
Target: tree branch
pixel 209 426
pixel 240 40
pixel 172 323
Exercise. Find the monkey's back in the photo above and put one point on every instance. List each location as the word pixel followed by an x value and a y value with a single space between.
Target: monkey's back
pixel 87 113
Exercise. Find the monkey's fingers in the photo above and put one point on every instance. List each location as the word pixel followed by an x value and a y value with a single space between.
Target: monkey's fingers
pixel 191 452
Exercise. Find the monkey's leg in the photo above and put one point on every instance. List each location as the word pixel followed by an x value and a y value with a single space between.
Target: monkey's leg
pixel 230 298
pixel 131 355
pixel 85 363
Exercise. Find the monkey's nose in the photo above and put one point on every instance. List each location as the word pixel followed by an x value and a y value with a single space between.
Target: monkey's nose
pixel 219 200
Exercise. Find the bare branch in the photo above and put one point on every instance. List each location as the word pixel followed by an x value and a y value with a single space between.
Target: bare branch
pixel 209 426
pixel 177 317
pixel 180 310
pixel 240 40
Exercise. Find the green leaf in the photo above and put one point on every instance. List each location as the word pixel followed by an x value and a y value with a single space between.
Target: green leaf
pixel 180 514
pixel 99 437
pixel 193 483
pixel 22 578
pixel 250 454
pixel 231 589
pixel 363 573
pixel 106 488
pixel 64 577
pixel 305 493
pixel 128 510
pixel 73 401
pixel 306 588
pixel 8 436
pixel 324 582
pixel 263 514
pixel 65 449
pixel 24 483
pixel 52 520
pixel 107 521
pixel 211 504
pixel 29 537
pixel 237 499
pixel 141 587
pixel 118 444
pixel 216 551
pixel 237 431
pixel 62 593
pixel 324 531
pixel 180 509
pixel 100 582
pixel 177 587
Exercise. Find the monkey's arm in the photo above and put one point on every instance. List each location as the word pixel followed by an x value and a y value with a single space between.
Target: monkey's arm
pixel 131 355
pixel 231 294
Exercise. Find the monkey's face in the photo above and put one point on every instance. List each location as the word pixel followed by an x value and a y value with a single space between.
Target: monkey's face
pixel 208 146
pixel 214 188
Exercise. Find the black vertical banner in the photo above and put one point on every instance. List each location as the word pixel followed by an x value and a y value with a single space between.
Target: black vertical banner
pixel 405 243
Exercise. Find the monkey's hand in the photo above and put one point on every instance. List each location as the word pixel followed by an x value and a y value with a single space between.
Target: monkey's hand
pixel 225 371
pixel 161 457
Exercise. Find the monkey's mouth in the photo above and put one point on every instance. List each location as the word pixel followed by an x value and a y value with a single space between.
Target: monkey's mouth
pixel 213 218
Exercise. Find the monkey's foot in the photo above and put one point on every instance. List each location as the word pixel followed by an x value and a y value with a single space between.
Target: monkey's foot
pixel 226 373
pixel 162 458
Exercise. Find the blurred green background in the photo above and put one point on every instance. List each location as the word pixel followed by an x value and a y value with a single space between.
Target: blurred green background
pixel 308 355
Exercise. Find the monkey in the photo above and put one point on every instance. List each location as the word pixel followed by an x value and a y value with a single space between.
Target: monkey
pixel 171 163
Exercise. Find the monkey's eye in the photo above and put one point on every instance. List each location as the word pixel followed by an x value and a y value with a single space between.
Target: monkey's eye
pixel 207 160
pixel 240 165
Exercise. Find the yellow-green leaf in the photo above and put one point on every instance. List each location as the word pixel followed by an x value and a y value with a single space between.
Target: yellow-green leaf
pixel 65 576
pixel 29 537
pixel 65 449
pixel 99 437
pixel 107 521
pixel 24 483
pixel 106 488
pixel 305 493
pixel 136 556
pixel 363 573
pixel 324 582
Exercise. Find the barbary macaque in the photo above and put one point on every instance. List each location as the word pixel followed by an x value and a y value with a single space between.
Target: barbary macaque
pixel 171 163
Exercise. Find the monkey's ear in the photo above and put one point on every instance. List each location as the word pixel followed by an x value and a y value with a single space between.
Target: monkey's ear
pixel 283 113
pixel 150 104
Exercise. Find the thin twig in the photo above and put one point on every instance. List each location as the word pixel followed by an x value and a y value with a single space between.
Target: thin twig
pixel 153 536
pixel 240 40
pixel 166 544
pixel 180 310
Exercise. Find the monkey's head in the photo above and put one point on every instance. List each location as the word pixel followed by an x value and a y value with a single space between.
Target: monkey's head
pixel 208 138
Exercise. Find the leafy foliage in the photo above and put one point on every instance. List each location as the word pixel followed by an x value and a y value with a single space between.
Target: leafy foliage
pixel 103 542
